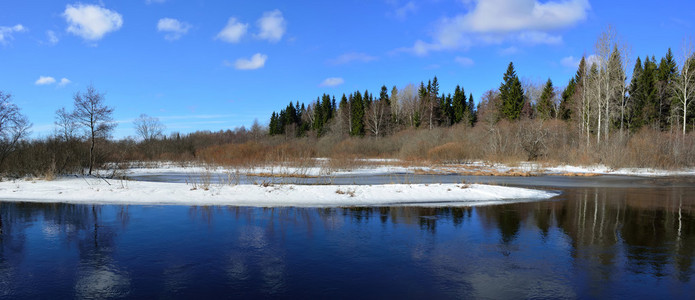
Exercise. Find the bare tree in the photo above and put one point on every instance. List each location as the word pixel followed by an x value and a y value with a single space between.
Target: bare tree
pixel 65 125
pixel 149 128
pixel 685 82
pixel 14 126
pixel 602 80
pixel 408 100
pixel 377 117
pixel 92 113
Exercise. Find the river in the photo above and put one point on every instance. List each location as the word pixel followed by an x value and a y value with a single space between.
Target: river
pixel 603 237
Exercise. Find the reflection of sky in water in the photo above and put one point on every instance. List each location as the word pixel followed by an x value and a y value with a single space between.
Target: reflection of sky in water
pixel 101 281
pixel 588 243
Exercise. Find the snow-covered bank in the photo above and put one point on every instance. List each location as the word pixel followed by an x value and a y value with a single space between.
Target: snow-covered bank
pixel 393 166
pixel 98 191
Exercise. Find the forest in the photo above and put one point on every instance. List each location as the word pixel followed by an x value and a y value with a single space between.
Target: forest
pixel 605 114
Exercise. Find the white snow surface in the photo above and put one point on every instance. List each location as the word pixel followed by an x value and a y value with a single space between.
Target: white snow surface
pixel 99 191
pixel 382 167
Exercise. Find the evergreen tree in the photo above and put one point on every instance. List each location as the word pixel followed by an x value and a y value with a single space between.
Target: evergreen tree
pixel 635 117
pixel 665 78
pixel 357 116
pixel 459 104
pixel 384 95
pixel 545 106
pixel 472 113
pixel 565 109
pixel 511 94
pixel 272 126
pixel 649 93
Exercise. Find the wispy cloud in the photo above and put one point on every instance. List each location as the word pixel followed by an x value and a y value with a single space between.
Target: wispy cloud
pixel 351 57
pixel 6 32
pixel 272 26
pixel 256 61
pixel 173 28
pixel 45 80
pixel 332 81
pixel 569 62
pixel 233 31
pixel 464 61
pixel 402 12
pixel 48 80
pixel 52 37
pixel 63 82
pixel 91 22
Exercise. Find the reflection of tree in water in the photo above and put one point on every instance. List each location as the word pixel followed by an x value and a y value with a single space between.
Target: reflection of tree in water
pixel 644 223
pixel 98 274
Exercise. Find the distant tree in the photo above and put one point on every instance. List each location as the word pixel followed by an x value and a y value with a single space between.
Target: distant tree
pixel 685 82
pixel 432 102
pixel 66 127
pixel 565 108
pixel 472 113
pixel 511 95
pixel 357 115
pixel 148 128
pixel 256 130
pixel 14 126
pixel 545 106
pixel 459 104
pixel 93 114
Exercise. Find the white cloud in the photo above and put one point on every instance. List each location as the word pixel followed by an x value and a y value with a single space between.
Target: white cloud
pixel 257 61
pixel 91 22
pixel 48 80
pixel 515 15
pixel 509 51
pixel 464 61
pixel 233 32
pixel 272 26
pixel 64 81
pixel 569 62
pixel 6 32
pixel 45 80
pixel 402 12
pixel 173 28
pixel 493 21
pixel 332 81
pixel 352 57
pixel 538 37
pixel 52 37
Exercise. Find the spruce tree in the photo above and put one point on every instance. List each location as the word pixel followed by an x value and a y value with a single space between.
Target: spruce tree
pixel 384 95
pixel 565 108
pixel 472 113
pixel 511 94
pixel 635 117
pixel 545 107
pixel 357 116
pixel 459 104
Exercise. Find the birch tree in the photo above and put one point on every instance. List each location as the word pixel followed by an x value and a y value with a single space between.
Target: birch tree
pixel 685 82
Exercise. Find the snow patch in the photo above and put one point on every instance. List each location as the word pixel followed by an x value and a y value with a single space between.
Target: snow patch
pixel 99 191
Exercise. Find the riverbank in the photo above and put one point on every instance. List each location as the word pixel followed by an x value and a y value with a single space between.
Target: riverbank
pixel 90 190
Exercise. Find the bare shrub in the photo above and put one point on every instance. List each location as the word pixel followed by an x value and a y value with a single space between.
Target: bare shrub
pixel 452 152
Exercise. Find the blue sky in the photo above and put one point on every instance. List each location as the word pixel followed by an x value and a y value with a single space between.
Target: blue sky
pixel 211 65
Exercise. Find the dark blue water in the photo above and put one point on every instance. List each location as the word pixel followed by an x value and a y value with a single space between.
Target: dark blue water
pixel 587 243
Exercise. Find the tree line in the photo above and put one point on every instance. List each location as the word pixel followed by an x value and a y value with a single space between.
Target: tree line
pixel 364 114
pixel 598 100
